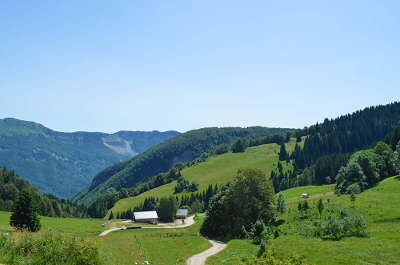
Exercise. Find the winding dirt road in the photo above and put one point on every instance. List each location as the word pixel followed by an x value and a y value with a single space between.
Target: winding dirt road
pixel 188 222
pixel 200 259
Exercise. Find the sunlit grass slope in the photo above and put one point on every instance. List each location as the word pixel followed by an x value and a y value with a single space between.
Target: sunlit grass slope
pixel 68 226
pixel 380 207
pixel 216 170
pixel 160 246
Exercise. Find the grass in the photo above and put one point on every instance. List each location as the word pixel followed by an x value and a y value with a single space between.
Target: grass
pixel 236 249
pixel 379 205
pixel 69 226
pixel 160 246
pixel 216 170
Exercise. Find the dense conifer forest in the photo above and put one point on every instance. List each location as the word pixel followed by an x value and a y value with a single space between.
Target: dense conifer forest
pixel 48 205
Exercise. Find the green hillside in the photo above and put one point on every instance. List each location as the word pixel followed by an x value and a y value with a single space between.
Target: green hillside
pixel 183 148
pixel 64 163
pixel 380 207
pixel 173 246
pixel 159 246
pixel 217 170
pixel 11 185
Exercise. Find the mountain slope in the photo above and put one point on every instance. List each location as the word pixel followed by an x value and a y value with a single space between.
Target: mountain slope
pixel 216 170
pixel 63 163
pixel 379 206
pixel 160 158
pixel 11 185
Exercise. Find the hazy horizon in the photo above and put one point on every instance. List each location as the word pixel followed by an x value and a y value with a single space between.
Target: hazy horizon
pixel 106 67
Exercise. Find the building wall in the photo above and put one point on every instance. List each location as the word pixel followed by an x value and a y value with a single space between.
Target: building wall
pixel 151 220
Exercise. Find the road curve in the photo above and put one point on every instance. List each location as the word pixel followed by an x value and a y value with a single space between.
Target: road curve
pixel 109 231
pixel 188 222
pixel 200 259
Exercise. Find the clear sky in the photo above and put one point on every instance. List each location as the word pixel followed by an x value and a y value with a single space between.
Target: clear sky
pixel 160 65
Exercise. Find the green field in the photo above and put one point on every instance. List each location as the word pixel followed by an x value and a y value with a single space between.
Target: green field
pixel 159 246
pixel 69 226
pixel 217 170
pixel 379 205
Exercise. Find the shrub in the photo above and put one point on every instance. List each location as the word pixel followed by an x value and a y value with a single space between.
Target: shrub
pixel 48 249
pixel 281 203
pixel 271 259
pixel 222 149
pixel 239 146
pixel 337 225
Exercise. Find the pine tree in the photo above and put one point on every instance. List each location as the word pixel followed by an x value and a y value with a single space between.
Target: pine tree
pixel 111 216
pixel 25 213
pixel 283 155
pixel 281 203
pixel 320 206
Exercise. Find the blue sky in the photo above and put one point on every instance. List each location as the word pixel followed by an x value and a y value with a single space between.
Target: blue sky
pixel 159 65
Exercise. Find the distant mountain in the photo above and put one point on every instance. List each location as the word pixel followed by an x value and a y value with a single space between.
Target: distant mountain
pixel 63 163
pixel 160 158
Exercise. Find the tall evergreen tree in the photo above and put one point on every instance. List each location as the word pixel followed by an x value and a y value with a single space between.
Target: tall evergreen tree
pixel 281 203
pixel 283 155
pixel 25 213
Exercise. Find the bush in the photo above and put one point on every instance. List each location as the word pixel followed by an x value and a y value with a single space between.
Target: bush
pixel 271 259
pixel 239 146
pixel 303 208
pixel 222 149
pixel 281 203
pixel 353 189
pixel 48 249
pixel 183 184
pixel 337 225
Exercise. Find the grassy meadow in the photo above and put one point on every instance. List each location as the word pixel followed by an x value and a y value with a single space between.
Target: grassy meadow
pixel 159 246
pixel 216 170
pixel 379 205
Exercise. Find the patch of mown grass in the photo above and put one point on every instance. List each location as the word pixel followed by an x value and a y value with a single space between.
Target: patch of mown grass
pixel 159 246
pixel 73 226
pixel 380 207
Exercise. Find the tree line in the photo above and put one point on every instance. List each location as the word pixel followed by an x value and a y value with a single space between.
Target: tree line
pixel 184 147
pixel 11 185
pixel 196 202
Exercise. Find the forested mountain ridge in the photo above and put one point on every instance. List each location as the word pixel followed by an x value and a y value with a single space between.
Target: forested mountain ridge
pixel 48 205
pixel 328 144
pixel 313 159
pixel 64 163
pixel 161 158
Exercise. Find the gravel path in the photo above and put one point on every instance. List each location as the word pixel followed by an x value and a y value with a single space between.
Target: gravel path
pixel 200 259
pixel 188 222
pixel 109 231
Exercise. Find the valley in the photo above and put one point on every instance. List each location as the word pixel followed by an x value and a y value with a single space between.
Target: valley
pixel 63 163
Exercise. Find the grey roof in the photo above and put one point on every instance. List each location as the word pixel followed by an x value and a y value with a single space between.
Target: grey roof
pixel 145 215
pixel 182 212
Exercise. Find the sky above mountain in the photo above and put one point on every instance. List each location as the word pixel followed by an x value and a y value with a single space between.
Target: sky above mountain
pixel 145 65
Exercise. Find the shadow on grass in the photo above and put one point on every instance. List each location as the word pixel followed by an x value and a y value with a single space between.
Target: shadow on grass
pixel 388 220
pixel 398 177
